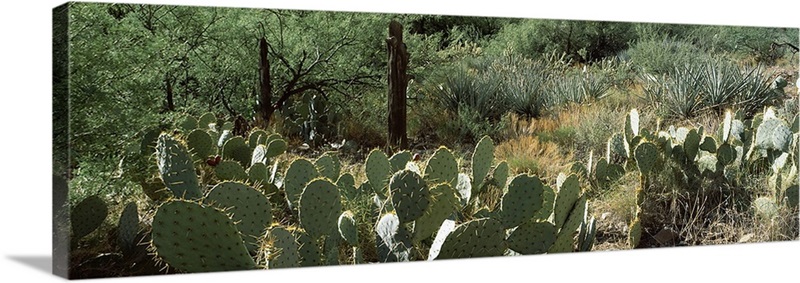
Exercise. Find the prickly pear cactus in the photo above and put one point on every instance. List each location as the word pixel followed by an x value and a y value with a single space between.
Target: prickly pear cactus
pixel 569 191
pixel 521 201
pixel 310 254
pixel 548 202
pixel 248 207
pixel 196 238
pixel 442 168
pixel 464 188
pixel 154 189
pixel 347 186
pixel 691 145
pixel 631 126
pixel 532 237
pixel 444 203
pixel 634 232
pixel 299 173
pixel 482 162
pixel 257 137
pixel 187 123
pixel 229 170
pixel 319 208
pixel 409 195
pixel 646 155
pixel 200 143
pixel 328 166
pixel 235 148
pixel 773 134
pixel 206 120
pixel 564 241
pixel 284 250
pixel 399 160
pixel 500 175
pixel 617 150
pixel 257 174
pixel 445 229
pixel 275 146
pixel 347 228
pixel 128 227
pixel 392 239
pixel 378 170
pixel 176 168
pixel 87 216
pixel 477 238
pixel 259 155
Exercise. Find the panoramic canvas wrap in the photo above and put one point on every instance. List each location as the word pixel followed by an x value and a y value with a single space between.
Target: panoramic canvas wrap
pixel 196 139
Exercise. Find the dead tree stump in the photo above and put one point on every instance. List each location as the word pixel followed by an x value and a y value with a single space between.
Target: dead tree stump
pixel 398 82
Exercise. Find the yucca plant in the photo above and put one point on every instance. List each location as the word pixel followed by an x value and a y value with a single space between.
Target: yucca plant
pixel 721 82
pixel 683 92
pixel 525 87
pixel 757 91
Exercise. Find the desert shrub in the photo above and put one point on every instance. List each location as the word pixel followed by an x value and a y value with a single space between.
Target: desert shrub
pixel 581 41
pixel 662 55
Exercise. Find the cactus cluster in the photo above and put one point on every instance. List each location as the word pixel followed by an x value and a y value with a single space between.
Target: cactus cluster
pixel 696 155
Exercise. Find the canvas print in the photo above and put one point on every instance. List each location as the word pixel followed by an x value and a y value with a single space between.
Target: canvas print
pixel 193 139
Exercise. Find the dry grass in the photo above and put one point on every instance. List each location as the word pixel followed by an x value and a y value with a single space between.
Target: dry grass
pixel 526 154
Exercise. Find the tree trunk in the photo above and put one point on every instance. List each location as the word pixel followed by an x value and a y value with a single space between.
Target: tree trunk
pixel 398 81
pixel 265 108
pixel 170 100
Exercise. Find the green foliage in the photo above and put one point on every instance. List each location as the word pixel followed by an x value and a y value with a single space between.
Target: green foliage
pixel 582 41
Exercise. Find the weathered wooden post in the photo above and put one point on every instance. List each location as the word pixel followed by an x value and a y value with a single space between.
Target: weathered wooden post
pixel 398 81
pixel 265 84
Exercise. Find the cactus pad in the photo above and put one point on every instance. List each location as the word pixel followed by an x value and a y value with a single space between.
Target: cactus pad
pixel 399 160
pixel 200 143
pixel 310 254
pixel 631 125
pixel 319 208
pixel 691 145
pixel 477 238
pixel 235 148
pixel 299 173
pixel 646 155
pixel 196 238
pixel 230 170
pixel 773 134
pixel 378 170
pixel 442 167
pixel 393 241
pixel 257 137
pixel 482 159
pixel 259 155
pixel 521 201
pixel 532 237
pixel 276 146
pixel 347 228
pixel 205 120
pixel 128 227
pixel 445 229
pixel 257 174
pixel 568 193
pixel 347 186
pixel 634 233
pixel 444 203
pixel 328 166
pixel 176 168
pixel 464 188
pixel 283 252
pixel 409 195
pixel 187 123
pixel 564 241
pixel 87 216
pixel 248 207
pixel 500 175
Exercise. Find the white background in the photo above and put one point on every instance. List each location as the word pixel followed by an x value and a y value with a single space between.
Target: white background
pixel 25 198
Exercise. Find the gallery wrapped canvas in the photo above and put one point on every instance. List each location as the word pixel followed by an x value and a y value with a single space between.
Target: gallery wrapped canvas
pixel 191 139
